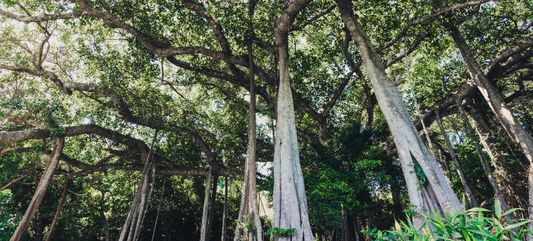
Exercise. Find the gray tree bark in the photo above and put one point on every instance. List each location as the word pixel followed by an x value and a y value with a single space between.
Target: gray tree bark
pixel 40 191
pixel 508 186
pixel 249 207
pixel 500 109
pixel 410 147
pixel 458 168
pixel 289 200
pixel 203 229
pixel 483 160
pixel 131 229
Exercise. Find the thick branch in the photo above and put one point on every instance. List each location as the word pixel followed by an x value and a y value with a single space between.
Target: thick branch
pixel 122 108
pixel 43 18
pixel 507 53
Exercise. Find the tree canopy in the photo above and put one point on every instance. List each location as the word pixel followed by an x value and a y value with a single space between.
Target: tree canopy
pixel 349 96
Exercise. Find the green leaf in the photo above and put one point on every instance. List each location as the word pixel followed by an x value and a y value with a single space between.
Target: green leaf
pixel 497 209
pixel 477 210
pixel 512 211
pixel 516 225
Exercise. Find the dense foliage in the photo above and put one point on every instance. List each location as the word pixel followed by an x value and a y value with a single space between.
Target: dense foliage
pixel 108 74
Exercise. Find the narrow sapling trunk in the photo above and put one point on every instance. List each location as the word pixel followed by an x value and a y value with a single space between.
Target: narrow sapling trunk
pixel 40 191
pixel 483 160
pixel 458 168
pixel 203 229
pixel 504 176
pixel 224 212
pixel 411 149
pixel 131 229
pixel 249 211
pixel 212 211
pixel 501 110
pixel 58 211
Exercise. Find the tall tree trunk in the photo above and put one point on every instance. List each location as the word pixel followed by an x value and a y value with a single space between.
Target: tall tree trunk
pixel 458 168
pixel 131 229
pixel 58 211
pixel 290 204
pixel 410 147
pixel 212 211
pixel 40 191
pixel 225 210
pixel 357 227
pixel 203 229
pixel 289 200
pixel 105 224
pixel 249 207
pixel 483 160
pixel 486 136
pixel 500 109
pixel 345 226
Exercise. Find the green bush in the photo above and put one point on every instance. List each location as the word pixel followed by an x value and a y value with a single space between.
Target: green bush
pixel 471 225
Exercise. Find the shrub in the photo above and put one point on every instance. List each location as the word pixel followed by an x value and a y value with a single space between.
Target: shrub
pixel 471 225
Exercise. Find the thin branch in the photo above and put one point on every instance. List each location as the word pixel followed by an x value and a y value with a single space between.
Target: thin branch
pixel 300 26
pixel 428 17
pixel 13 182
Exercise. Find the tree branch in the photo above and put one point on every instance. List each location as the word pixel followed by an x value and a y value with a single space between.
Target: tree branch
pixel 13 182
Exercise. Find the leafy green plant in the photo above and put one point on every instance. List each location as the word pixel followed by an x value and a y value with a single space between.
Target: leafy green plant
pixel 273 231
pixel 281 231
pixel 248 225
pixel 470 225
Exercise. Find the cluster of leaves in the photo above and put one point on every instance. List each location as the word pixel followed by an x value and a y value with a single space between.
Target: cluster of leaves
pixel 39 113
pixel 346 172
pixel 248 225
pixel 8 219
pixel 280 232
pixel 470 225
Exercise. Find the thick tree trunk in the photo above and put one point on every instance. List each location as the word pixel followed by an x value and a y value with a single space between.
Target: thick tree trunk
pixel 289 200
pixel 410 147
pixel 58 211
pixel 483 160
pixel 500 109
pixel 40 191
pixel 458 168
pixel 290 203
